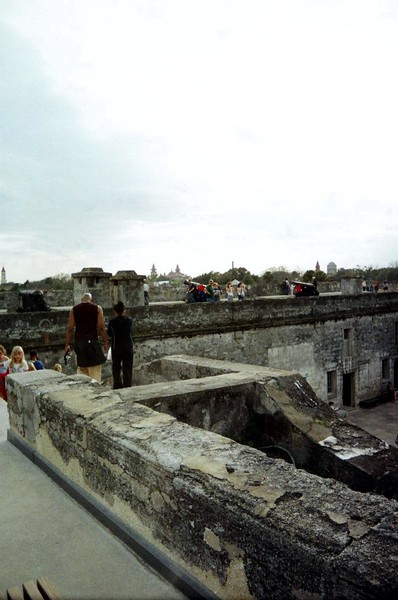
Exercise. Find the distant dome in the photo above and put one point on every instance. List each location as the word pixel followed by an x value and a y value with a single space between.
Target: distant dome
pixel 331 268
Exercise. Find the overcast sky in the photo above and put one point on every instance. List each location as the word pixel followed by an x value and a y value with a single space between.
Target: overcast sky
pixel 201 133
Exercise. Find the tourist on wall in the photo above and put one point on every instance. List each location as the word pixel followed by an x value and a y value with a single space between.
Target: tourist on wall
pixel 285 285
pixel 120 331
pixel 230 292
pixel 201 294
pixel 210 291
pixel 196 292
pixel 35 361
pixel 217 291
pixel 17 362
pixel 86 320
pixel 146 293
pixel 3 371
pixel 191 291
pixel 241 291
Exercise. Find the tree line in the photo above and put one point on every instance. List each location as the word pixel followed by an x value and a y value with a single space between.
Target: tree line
pixel 278 274
pixel 271 278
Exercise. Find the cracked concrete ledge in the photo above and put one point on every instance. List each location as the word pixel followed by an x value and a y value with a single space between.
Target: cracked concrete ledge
pixel 242 523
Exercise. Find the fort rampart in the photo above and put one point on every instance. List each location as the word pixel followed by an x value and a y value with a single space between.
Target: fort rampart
pixel 167 459
pixel 346 346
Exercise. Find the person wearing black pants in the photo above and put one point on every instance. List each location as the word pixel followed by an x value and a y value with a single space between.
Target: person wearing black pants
pixel 120 332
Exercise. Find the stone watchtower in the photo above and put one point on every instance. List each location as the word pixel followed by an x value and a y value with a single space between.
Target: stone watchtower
pixel 95 281
pixel 128 287
pixel 107 290
pixel 351 285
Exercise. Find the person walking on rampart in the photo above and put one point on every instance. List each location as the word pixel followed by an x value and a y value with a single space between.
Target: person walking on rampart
pixel 146 293
pixel 191 291
pixel 120 331
pixel 217 291
pixel 285 285
pixel 86 320
pixel 241 291
pixel 210 291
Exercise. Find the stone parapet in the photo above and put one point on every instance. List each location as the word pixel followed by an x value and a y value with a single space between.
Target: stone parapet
pixel 300 334
pixel 243 524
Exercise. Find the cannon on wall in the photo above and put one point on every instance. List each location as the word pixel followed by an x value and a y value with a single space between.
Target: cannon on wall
pixel 32 301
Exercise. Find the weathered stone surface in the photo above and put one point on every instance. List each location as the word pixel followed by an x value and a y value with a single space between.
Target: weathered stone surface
pixel 304 335
pixel 245 524
pixel 270 409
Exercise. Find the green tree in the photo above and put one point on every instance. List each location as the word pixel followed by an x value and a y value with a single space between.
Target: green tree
pixel 319 275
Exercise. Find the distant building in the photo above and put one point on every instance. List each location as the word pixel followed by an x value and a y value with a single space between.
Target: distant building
pixel 167 277
pixel 3 276
pixel 331 268
pixel 154 272
pixel 317 267
pixel 177 275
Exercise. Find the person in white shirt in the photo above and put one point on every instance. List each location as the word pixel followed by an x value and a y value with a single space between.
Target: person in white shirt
pixel 17 362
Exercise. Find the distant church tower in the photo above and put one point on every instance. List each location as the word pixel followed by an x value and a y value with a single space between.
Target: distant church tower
pixel 3 276
pixel 317 267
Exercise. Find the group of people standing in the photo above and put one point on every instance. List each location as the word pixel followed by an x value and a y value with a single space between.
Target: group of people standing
pixel 86 322
pixel 17 363
pixel 85 325
pixel 212 292
pixel 289 288
pixel 199 292
pixel 374 286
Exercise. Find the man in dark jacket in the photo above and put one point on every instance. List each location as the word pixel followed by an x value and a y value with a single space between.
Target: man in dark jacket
pixel 120 332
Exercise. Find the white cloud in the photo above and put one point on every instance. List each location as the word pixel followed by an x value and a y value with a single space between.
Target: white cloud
pixel 262 133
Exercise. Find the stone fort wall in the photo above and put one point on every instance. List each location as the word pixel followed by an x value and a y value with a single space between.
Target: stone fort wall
pixel 328 339
pixel 243 525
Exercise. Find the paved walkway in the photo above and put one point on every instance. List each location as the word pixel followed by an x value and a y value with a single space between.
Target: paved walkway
pixel 381 421
pixel 44 532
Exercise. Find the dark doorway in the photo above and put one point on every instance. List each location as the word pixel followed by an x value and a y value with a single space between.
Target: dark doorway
pixel 348 389
pixel 396 373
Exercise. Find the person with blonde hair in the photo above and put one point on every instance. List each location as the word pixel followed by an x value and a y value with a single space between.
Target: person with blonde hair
pixel 17 362
pixel 3 358
pixel 3 371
